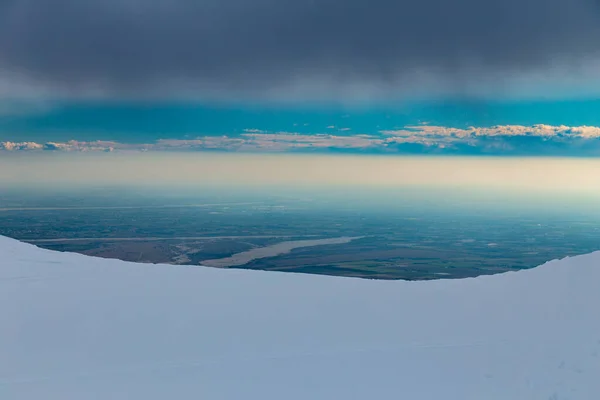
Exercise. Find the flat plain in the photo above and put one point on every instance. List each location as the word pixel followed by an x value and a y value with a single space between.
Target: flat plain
pixel 410 241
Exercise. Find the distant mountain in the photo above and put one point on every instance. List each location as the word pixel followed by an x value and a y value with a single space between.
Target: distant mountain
pixel 76 327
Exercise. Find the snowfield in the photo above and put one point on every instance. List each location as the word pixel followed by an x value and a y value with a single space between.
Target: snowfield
pixel 75 327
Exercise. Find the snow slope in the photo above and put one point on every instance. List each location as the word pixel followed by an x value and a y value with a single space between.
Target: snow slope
pixel 75 327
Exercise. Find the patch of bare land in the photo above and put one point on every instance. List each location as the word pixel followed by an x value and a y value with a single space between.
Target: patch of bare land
pixel 245 257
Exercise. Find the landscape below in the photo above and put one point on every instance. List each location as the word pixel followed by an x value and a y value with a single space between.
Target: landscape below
pixel 403 234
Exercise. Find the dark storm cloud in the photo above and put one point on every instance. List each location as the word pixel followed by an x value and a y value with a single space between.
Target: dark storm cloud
pixel 242 46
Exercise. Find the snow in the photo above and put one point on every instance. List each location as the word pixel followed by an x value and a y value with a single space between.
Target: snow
pixel 76 327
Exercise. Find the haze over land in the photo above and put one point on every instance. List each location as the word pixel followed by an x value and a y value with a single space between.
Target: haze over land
pixel 529 175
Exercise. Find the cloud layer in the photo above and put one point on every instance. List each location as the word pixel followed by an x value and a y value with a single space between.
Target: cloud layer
pixel 422 139
pixel 292 48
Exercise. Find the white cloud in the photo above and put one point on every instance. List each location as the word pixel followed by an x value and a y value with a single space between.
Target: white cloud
pixel 69 146
pixel 538 130
pixel 438 137
pixel 13 146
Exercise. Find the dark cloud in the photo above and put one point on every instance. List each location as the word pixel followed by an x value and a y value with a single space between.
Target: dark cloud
pixel 240 46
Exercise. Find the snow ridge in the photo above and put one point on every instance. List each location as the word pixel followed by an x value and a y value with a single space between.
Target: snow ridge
pixel 80 327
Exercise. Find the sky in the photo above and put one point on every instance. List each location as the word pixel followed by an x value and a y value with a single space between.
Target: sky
pixel 462 77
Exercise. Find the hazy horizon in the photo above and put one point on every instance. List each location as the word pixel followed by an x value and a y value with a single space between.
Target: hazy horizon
pixel 529 174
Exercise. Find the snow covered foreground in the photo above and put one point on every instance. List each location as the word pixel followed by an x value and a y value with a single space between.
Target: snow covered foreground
pixel 75 327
